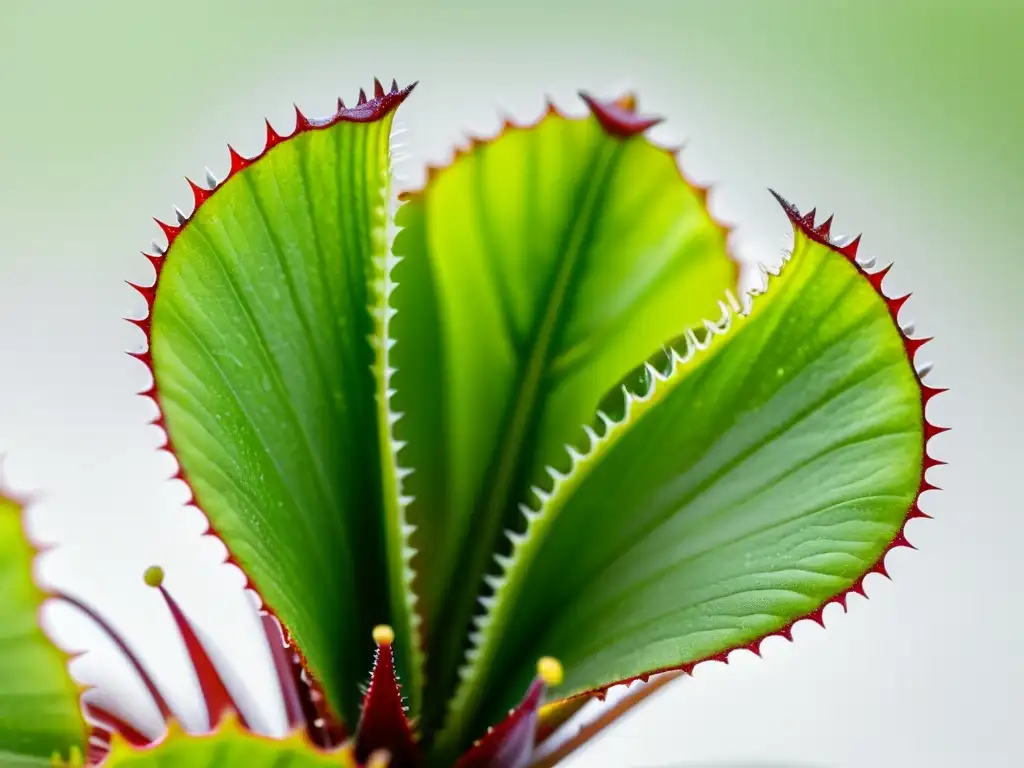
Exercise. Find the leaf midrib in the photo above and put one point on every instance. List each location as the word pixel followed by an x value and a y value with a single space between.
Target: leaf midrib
pixel 511 465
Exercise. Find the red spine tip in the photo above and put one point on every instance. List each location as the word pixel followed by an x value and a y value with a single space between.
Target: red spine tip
pixel 170 230
pixel 378 89
pixel 510 743
pixel 301 121
pixel 362 98
pixel 895 305
pixel 199 194
pixel 394 86
pixel 825 228
pixel 215 694
pixel 237 161
pixel 273 137
pixel 285 671
pixel 617 120
pixel 147 292
pixel 383 723
pixel 156 261
pixel 143 324
pixel 876 278
pixel 850 249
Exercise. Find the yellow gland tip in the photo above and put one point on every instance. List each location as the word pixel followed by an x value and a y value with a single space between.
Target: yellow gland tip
pixel 380 758
pixel 154 576
pixel 383 634
pixel 549 669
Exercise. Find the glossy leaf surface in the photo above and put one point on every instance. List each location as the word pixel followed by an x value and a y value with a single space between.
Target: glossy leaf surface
pixel 537 270
pixel 764 473
pixel 268 342
pixel 39 711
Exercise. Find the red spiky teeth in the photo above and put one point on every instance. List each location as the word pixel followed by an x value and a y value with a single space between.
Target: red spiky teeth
pixel 215 694
pixel 300 705
pixel 821 233
pixel 619 117
pixel 383 725
pixel 510 743
pixel 324 728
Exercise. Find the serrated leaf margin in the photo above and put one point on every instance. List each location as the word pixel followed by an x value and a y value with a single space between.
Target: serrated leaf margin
pixel 546 500
pixel 365 111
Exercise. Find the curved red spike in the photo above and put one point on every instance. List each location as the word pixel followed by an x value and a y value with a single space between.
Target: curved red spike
pixel 895 305
pixel 341 104
pixel 301 121
pixel 510 743
pixel 825 228
pixel 142 324
pixel 215 694
pixel 273 137
pixel 928 393
pixel 284 668
pixel 876 278
pixel 109 722
pixel 103 725
pixel 850 249
pixel 378 89
pixel 143 357
pixel 362 98
pixel 147 292
pixel 394 86
pixel 237 161
pixel 616 119
pixel 912 345
pixel 199 194
pixel 383 723
pixel 133 660
pixel 156 261
pixel 170 230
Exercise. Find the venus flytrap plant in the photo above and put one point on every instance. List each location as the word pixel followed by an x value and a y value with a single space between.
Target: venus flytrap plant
pixel 532 446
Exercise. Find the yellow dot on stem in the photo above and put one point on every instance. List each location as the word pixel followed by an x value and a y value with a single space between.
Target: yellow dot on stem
pixel 154 576
pixel 383 634
pixel 549 669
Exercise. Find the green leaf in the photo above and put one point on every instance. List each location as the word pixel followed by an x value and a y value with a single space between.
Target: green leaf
pixel 269 341
pixel 538 269
pixel 39 708
pixel 229 746
pixel 764 475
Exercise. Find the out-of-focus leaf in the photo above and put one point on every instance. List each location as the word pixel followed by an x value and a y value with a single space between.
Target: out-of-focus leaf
pixel 39 709
pixel 230 746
